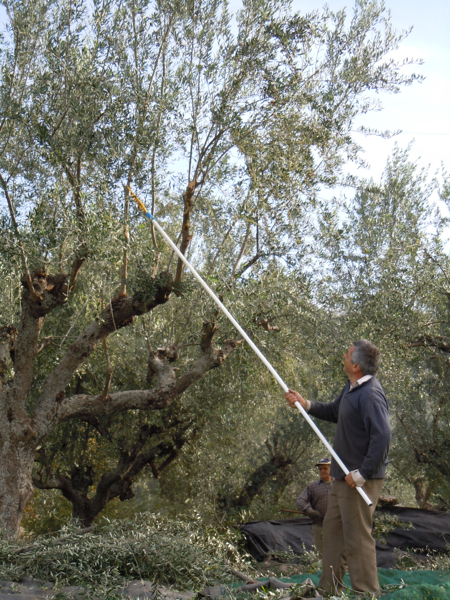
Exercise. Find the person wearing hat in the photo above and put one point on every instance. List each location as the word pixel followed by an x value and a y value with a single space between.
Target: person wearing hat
pixel 314 501
pixel 362 439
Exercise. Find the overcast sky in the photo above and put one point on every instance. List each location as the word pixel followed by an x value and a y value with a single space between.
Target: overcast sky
pixel 421 111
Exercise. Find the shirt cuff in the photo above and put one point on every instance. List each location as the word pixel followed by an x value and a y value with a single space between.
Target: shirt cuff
pixel 308 405
pixel 358 478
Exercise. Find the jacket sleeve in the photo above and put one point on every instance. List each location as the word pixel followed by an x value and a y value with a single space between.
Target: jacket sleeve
pixel 375 414
pixel 304 500
pixel 327 411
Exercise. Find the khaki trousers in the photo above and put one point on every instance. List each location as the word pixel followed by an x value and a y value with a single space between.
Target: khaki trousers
pixel 317 535
pixel 347 539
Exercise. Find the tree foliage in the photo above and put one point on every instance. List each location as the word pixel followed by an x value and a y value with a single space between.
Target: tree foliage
pixel 226 129
pixel 387 269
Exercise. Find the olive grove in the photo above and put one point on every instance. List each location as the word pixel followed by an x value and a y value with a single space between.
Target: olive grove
pixel 227 128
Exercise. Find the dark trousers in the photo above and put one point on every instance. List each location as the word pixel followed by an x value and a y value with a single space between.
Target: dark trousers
pixel 317 534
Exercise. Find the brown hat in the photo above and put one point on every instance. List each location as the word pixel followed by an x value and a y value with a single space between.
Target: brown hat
pixel 323 461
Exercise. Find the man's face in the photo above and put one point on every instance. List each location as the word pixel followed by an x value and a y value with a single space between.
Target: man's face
pixel 348 366
pixel 324 472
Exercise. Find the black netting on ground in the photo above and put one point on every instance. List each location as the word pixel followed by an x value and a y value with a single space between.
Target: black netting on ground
pixel 266 537
pixel 430 533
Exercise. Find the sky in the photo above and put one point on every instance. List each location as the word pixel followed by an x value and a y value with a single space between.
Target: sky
pixel 422 110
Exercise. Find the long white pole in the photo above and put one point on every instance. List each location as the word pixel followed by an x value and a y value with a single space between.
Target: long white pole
pixel 248 340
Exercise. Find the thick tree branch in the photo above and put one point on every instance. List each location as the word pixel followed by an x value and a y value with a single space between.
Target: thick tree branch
pixel 51 291
pixel 54 483
pixel 209 330
pixel 83 249
pixel 119 313
pixel 24 355
pixel 439 342
pixel 160 396
pixel 188 199
pixel 119 481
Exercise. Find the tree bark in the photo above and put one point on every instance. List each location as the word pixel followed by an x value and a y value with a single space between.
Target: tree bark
pixel 188 199
pixel 117 483
pixel 22 430
pixel 120 312
pixel 16 465
pixel 8 336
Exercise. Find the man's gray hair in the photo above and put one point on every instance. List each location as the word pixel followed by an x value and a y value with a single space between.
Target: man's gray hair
pixel 367 356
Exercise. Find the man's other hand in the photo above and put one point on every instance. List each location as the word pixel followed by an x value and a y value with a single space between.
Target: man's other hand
pixel 293 397
pixel 350 481
pixel 315 514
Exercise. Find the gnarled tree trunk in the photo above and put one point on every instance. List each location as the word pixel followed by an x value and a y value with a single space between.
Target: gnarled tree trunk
pixel 77 485
pixel 23 429
pixel 18 450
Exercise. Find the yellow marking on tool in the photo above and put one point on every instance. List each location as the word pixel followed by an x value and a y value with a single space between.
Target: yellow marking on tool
pixel 136 199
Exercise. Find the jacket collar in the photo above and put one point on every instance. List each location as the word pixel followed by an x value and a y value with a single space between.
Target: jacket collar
pixel 359 382
pixel 322 481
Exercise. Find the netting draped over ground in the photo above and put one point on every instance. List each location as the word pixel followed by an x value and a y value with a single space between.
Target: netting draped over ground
pixel 427 531
pixel 417 585
pixel 427 535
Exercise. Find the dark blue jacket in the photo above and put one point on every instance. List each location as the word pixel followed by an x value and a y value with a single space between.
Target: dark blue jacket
pixel 363 432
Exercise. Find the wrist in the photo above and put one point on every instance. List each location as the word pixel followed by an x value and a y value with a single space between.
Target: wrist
pixel 358 478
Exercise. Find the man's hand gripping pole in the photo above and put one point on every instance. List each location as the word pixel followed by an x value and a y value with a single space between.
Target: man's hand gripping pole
pixel 246 338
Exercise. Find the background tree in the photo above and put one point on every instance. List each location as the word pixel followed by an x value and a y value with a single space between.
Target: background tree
pixel 386 280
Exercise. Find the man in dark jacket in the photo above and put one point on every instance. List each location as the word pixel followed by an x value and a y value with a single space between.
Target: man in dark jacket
pixel 361 441
pixel 314 501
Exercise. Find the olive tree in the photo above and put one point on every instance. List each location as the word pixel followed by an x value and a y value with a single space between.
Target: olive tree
pixel 387 280
pixel 225 133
